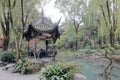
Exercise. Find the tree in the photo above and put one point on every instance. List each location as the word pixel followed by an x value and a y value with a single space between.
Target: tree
pixel 6 19
pixel 24 11
pixel 110 18
pixel 90 20
pixel 74 11
pixel 67 38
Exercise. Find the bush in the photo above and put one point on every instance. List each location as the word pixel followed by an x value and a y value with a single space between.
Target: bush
pixel 60 71
pixel 88 51
pixel 56 72
pixel 23 66
pixel 73 66
pixel 7 57
pixel 117 46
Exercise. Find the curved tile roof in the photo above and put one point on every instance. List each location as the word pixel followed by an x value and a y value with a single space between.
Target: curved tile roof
pixel 40 25
pixel 44 24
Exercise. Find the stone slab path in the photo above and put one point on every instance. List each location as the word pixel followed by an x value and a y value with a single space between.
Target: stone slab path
pixel 8 75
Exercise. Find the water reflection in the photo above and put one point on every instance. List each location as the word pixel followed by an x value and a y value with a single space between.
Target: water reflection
pixel 111 72
pixel 100 70
pixel 107 72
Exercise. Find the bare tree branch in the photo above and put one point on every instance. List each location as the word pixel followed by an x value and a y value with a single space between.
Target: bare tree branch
pixel 27 16
pixel 14 3
pixel 108 11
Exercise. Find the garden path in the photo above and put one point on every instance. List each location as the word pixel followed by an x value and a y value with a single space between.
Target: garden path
pixel 8 75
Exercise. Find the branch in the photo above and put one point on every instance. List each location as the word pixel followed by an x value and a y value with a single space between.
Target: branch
pixel 14 3
pixel 114 20
pixel 3 27
pixel 76 24
pixel 27 16
pixel 103 13
pixel 22 15
pixel 68 12
pixel 80 22
pixel 108 10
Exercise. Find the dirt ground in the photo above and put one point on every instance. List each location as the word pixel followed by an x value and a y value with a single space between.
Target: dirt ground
pixel 8 75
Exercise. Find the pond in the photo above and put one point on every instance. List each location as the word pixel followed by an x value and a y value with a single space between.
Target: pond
pixel 94 69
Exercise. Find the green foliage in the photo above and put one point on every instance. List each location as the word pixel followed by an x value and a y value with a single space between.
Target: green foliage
pixel 68 37
pixel 23 66
pixel 72 65
pixel 56 72
pixel 100 20
pixel 64 63
pixel 7 57
pixel 88 51
pixel 117 46
pixel 65 54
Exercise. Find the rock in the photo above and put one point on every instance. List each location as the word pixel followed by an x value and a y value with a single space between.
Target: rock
pixel 99 54
pixel 79 77
pixel 42 70
pixel 8 66
pixel 2 64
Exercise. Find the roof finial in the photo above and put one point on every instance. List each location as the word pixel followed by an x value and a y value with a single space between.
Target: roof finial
pixel 58 21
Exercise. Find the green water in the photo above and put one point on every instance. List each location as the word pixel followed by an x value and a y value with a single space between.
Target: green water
pixel 90 70
pixel 93 68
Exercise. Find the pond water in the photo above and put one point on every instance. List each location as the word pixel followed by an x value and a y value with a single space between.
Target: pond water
pixel 93 69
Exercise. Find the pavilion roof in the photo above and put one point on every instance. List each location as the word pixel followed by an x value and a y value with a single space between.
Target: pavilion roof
pixel 41 25
pixel 44 24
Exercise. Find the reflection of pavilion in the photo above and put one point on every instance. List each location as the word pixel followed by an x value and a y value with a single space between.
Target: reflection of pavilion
pixel 41 29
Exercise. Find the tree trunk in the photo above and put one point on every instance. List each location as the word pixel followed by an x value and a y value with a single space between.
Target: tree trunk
pixel 5 29
pixel 112 38
pixel 76 42
pixel 6 42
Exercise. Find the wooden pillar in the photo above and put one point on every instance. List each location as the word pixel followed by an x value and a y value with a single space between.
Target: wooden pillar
pixel 46 41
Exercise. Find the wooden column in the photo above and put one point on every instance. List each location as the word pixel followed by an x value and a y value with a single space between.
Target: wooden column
pixel 46 41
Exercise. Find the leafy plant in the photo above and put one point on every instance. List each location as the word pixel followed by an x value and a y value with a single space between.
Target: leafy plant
pixel 61 71
pixel 73 66
pixel 55 72
pixel 7 57
pixel 23 66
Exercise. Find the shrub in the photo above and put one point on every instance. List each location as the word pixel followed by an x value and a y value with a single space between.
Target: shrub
pixel 60 71
pixel 56 72
pixel 90 51
pixel 117 46
pixel 73 66
pixel 23 66
pixel 7 57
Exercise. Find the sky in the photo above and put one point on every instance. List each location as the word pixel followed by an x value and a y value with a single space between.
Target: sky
pixel 51 11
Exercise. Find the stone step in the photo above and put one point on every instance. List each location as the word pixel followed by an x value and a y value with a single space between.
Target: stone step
pixel 79 77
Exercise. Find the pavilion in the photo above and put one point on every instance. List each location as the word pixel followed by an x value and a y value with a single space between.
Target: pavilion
pixel 41 29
